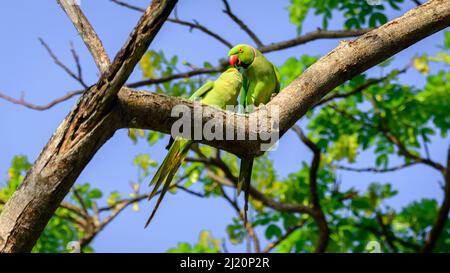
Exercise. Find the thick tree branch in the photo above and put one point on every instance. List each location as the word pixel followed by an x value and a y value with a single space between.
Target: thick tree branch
pixel 349 59
pixel 87 33
pixel 96 116
pixel 90 124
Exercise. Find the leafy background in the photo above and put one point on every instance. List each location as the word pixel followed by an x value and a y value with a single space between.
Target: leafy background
pixel 412 104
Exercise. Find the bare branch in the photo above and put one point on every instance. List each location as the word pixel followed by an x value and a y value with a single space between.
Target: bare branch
pixel 202 28
pixel 87 33
pixel 124 4
pixel 77 62
pixel 198 194
pixel 312 36
pixel 183 75
pixel 360 88
pixel 244 27
pixel 47 106
pixel 375 169
pixel 181 22
pixel 87 127
pixel 78 77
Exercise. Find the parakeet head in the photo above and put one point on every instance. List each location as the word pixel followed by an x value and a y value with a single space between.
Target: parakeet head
pixel 242 55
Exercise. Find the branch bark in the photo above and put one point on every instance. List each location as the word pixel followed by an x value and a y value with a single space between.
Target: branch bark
pixel 90 124
pixel 319 215
pixel 87 33
pixel 349 59
pixel 96 116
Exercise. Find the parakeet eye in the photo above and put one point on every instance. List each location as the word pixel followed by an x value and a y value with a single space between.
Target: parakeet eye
pixel 241 50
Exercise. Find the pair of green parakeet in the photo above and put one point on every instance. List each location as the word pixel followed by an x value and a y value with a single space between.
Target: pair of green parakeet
pixel 258 81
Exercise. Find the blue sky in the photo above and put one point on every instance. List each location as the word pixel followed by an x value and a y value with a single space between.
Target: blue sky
pixel 25 67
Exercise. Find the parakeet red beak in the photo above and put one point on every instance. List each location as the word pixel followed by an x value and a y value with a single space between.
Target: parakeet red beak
pixel 233 60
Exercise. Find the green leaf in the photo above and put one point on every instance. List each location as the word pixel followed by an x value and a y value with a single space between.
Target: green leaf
pixel 377 19
pixel 273 231
pixel 95 194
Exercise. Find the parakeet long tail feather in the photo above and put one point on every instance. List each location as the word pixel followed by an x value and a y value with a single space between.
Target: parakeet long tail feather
pixel 168 170
pixel 163 170
pixel 245 176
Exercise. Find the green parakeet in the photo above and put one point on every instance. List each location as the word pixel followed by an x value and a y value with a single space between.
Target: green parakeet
pixel 261 80
pixel 219 93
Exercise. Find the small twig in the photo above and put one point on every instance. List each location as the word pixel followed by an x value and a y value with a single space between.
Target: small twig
pixel 425 144
pixel 198 194
pixel 47 106
pixel 60 64
pixel 81 201
pixel 183 75
pixel 181 22
pixel 202 28
pixel 242 24
pixel 78 64
pixel 248 227
pixel 375 169
pixel 312 36
pixel 126 5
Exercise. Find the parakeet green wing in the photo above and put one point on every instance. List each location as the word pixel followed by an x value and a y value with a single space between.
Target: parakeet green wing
pixel 224 91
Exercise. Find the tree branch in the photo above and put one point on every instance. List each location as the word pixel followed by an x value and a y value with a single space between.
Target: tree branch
pixel 248 227
pixel 273 245
pixel 96 116
pixel 194 72
pixel 312 36
pixel 360 88
pixel 181 22
pixel 90 124
pixel 349 59
pixel 442 217
pixel 87 33
pixel 47 106
pixel 375 169
pixel 244 27
pixel 78 77
pixel 319 216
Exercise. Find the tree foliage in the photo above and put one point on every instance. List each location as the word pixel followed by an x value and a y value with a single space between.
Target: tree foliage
pixel 392 120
